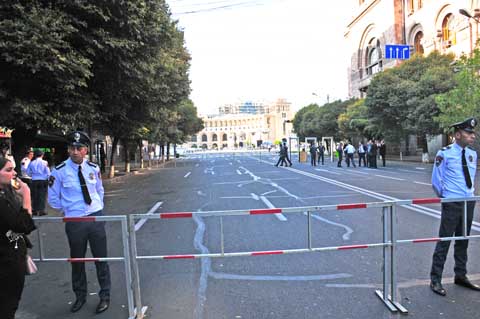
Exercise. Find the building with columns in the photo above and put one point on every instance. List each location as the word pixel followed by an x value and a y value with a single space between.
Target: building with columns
pixel 425 25
pixel 244 125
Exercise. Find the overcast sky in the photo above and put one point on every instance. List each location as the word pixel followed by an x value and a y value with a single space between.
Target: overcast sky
pixel 263 50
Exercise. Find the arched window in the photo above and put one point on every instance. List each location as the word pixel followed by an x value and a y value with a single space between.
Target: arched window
pixel 448 32
pixel 417 42
pixel 374 57
pixel 193 138
pixel 204 137
pixel 224 138
pixel 214 137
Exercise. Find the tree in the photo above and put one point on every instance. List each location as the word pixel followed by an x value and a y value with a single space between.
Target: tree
pixel 463 100
pixel 354 122
pixel 401 100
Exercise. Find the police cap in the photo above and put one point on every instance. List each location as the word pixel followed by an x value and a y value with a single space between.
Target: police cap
pixel 468 125
pixel 78 138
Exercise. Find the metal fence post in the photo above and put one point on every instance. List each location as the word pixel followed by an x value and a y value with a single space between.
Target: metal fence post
pixel 128 269
pixel 140 310
pixel 383 295
pixel 393 259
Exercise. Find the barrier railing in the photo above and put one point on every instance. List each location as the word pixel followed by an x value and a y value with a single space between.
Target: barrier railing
pixel 388 277
pixel 125 241
pixel 388 293
pixel 389 209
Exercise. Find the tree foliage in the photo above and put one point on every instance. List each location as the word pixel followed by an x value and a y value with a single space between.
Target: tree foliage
pixel 402 100
pixel 463 101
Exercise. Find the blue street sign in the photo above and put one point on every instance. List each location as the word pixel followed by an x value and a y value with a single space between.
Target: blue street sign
pixel 397 51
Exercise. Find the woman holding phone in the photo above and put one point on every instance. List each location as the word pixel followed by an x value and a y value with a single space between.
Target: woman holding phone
pixel 15 223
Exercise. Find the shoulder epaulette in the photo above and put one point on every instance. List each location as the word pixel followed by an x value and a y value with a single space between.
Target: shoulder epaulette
pixel 446 147
pixel 92 164
pixel 60 165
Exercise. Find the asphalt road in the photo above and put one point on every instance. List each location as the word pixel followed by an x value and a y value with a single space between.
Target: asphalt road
pixel 332 284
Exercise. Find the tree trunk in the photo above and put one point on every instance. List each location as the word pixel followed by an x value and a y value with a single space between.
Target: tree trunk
pixel 168 151
pixel 407 145
pixel 111 172
pixel 126 152
pixel 140 146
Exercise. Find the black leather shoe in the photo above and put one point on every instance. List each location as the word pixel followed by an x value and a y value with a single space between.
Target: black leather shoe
pixel 437 288
pixel 78 304
pixel 465 282
pixel 102 305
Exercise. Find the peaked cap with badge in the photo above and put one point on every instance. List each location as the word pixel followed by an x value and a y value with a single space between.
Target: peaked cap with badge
pixel 468 125
pixel 78 138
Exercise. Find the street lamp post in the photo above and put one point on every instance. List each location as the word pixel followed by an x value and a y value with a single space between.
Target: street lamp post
pixel 475 17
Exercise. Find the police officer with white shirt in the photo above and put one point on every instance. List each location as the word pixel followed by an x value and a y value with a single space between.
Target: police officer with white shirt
pixel 39 172
pixel 453 176
pixel 75 188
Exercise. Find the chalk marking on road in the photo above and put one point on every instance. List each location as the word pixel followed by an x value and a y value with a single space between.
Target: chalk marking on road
pixel 389 177
pixel 152 210
pixel 197 165
pixel 218 275
pixel 416 208
pixel 421 183
pixel 188 174
pixel 200 193
pixel 254 196
pixel 345 236
pixel 280 216
pixel 420 168
pixel 270 192
pixel 226 183
pixel 238 172
pixel 327 171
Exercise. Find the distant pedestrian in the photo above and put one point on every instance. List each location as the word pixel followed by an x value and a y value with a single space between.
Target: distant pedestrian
pixel 313 154
pixel 361 154
pixel 39 171
pixel 321 153
pixel 23 167
pixel 340 154
pixel 287 157
pixel 350 150
pixel 372 155
pixel 383 151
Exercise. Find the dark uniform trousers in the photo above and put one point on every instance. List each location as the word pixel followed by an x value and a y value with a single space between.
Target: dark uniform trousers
pixel 39 195
pixel 451 224
pixel 79 233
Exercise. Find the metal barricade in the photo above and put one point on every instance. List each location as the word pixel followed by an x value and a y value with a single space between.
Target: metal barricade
pixel 387 295
pixel 126 249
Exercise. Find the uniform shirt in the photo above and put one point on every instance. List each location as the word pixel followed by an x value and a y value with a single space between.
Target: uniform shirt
pixel 350 149
pixel 38 170
pixel 24 165
pixel 361 150
pixel 448 180
pixel 65 193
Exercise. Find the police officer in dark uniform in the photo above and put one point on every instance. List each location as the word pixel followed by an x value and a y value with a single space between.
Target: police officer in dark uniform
pixel 453 176
pixel 75 188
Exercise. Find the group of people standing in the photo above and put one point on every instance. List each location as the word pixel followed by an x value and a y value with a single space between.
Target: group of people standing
pixel 367 153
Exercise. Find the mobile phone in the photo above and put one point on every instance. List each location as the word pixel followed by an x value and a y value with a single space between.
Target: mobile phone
pixel 15 183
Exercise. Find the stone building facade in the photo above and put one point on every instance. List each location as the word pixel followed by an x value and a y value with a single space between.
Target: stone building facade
pixel 425 25
pixel 234 127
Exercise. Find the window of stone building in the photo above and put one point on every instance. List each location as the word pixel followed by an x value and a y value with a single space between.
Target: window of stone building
pixel 224 138
pixel 410 6
pixel 284 115
pixel 204 137
pixel 417 42
pixel 419 4
pixel 193 138
pixel 374 58
pixel 214 137
pixel 448 32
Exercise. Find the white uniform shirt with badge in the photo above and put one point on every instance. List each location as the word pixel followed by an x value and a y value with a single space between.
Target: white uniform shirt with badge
pixel 448 180
pixel 65 193
pixel 25 162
